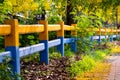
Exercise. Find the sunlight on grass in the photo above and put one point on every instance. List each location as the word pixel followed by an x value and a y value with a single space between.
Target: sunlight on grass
pixel 100 72
pixel 115 49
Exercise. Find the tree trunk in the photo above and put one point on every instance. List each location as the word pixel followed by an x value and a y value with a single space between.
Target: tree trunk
pixel 70 17
pixel 117 24
pixel 1 1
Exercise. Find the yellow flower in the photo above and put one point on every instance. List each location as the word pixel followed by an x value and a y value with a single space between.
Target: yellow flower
pixel 79 8
pixel 8 3
pixel 91 1
pixel 59 5
pixel 50 1
pixel 118 9
pixel 99 0
pixel 34 6
pixel 46 5
pixel 13 2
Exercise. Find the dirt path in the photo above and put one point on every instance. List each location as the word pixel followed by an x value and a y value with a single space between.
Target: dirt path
pixel 115 69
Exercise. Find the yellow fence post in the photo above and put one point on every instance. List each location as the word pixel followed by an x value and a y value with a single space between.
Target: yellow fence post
pixel 43 36
pixel 105 33
pixel 60 35
pixel 111 35
pixel 116 33
pixel 99 34
pixel 74 35
pixel 12 44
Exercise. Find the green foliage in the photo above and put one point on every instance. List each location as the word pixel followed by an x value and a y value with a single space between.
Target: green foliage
pixel 52 35
pixel 31 58
pixel 55 55
pixel 87 63
pixel 28 39
pixel 79 67
pixel 83 21
pixel 5 7
pixel 1 43
pixel 99 55
pixel 118 39
pixel 84 45
pixel 85 28
pixel 68 53
pixel 54 19
pixel 6 72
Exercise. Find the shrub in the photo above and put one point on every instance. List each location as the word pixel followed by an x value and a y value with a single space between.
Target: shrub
pixel 6 72
pixel 79 67
pixel 88 62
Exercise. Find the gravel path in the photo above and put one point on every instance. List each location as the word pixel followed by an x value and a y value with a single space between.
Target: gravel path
pixel 115 69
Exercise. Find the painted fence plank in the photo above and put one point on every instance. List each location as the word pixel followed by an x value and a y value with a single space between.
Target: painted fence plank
pixel 114 36
pixel 31 49
pixel 5 29
pixel 69 40
pixel 97 37
pixel 55 27
pixel 3 55
pixel 24 29
pixel 54 43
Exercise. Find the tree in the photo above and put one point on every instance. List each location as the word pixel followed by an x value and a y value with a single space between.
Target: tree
pixel 5 7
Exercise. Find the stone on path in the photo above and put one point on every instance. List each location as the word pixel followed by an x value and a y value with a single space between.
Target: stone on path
pixel 115 68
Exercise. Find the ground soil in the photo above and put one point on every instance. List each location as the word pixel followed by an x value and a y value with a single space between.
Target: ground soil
pixel 56 70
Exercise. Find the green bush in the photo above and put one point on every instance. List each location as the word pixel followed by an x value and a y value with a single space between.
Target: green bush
pixel 88 62
pixel 28 39
pixel 84 45
pixel 55 55
pixel 6 72
pixel 54 19
pixel 31 58
pixel 99 55
pixel 79 67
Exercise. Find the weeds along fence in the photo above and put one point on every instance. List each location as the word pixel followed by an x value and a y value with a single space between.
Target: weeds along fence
pixel 11 30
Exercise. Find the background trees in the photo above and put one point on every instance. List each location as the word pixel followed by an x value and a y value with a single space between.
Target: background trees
pixel 105 10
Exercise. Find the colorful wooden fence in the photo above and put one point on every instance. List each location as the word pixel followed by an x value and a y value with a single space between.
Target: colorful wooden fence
pixel 11 30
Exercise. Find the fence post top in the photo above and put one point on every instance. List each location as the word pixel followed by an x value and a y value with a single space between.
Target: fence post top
pixel 61 22
pixel 13 38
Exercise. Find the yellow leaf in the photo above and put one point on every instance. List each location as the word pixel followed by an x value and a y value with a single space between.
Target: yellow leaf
pixel 13 2
pixel 99 0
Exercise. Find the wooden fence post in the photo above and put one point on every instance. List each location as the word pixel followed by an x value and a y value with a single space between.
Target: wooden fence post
pixel 116 33
pixel 74 35
pixel 43 36
pixel 111 35
pixel 99 34
pixel 12 44
pixel 105 33
pixel 60 35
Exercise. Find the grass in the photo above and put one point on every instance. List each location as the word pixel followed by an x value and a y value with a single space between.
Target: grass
pixel 101 69
pixel 115 50
pixel 90 65
pixel 100 72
